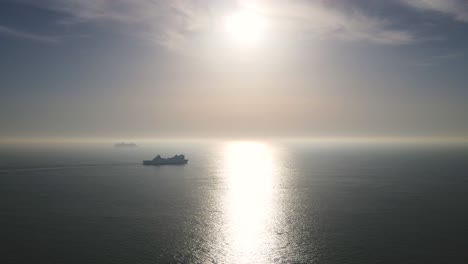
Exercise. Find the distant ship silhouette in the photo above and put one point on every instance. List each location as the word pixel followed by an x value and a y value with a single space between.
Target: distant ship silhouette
pixel 125 145
pixel 158 160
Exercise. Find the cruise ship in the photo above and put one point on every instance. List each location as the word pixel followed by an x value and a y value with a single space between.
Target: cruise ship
pixel 158 160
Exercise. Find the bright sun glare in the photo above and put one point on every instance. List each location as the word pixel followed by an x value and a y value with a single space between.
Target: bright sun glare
pixel 246 28
pixel 250 171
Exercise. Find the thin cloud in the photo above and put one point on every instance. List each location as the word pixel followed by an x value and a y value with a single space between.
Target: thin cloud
pixel 449 56
pixel 168 23
pixel 11 32
pixel 439 59
pixel 320 19
pixel 174 23
pixel 458 9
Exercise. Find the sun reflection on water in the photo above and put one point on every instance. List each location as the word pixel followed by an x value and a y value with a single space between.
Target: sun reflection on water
pixel 249 170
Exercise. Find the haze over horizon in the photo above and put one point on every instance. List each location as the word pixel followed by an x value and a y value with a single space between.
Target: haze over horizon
pixel 148 69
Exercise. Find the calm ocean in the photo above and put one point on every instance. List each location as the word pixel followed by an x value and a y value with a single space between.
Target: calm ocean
pixel 235 202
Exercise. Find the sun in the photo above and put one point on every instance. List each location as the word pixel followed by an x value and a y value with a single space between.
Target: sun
pixel 245 27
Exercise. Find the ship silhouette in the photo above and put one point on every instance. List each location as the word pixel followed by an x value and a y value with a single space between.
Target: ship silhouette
pixel 158 160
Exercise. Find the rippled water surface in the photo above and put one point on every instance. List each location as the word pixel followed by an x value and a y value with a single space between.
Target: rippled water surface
pixel 235 202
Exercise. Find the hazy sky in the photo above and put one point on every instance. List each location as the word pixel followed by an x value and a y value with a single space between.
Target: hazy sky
pixel 129 68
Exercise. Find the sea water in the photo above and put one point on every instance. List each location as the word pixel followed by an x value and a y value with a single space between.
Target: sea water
pixel 235 202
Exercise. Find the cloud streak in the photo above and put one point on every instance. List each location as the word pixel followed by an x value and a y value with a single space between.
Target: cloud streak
pixel 168 23
pixel 449 56
pixel 175 23
pixel 325 21
pixel 458 9
pixel 11 32
pixel 438 59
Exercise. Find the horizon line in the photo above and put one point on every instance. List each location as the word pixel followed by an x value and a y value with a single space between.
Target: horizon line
pixel 312 139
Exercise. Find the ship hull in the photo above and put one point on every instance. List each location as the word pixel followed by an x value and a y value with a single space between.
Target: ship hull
pixel 151 162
